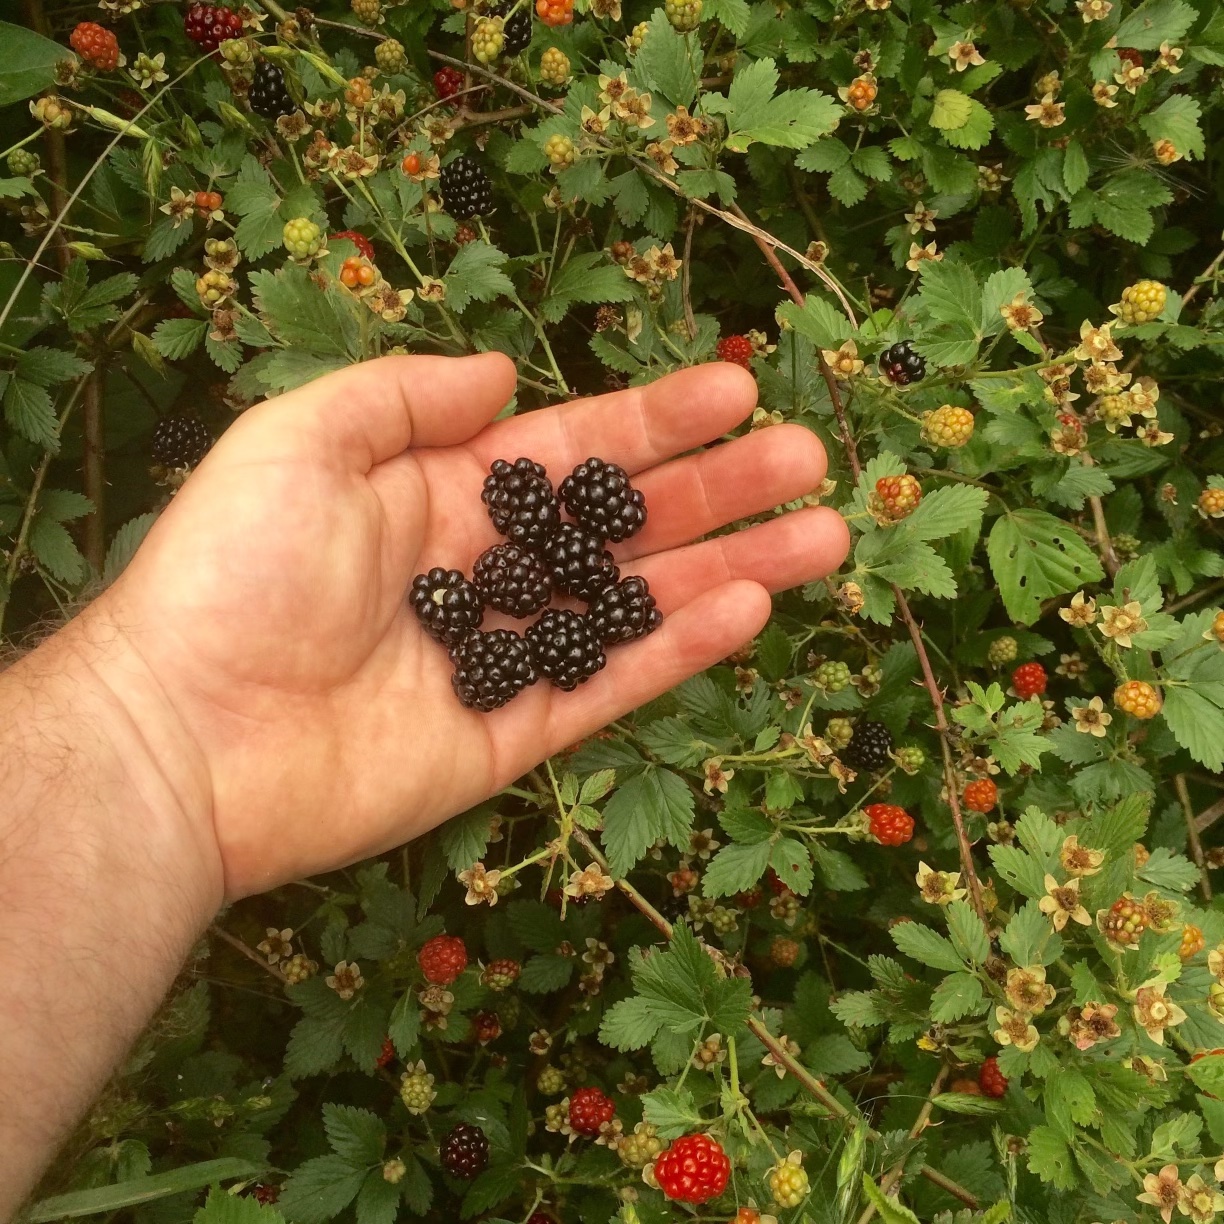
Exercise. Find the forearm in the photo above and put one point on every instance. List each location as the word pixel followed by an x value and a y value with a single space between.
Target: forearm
pixel 107 875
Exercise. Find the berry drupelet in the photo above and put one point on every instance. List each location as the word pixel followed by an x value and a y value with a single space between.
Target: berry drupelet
pixel 521 502
pixel 599 497
pixel 581 565
pixel 565 649
pixel 447 604
pixel 209 25
pixel 624 612
pixel 179 442
pixel 464 1151
pixel 869 747
pixel 466 190
pixel 902 364
pixel 513 580
pixel 268 96
pixel 491 668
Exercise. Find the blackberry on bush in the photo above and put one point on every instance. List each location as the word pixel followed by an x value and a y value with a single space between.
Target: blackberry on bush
pixel 624 612
pixel 464 1151
pixel 447 82
pixel 466 190
pixel 209 25
pixel 600 498
pixel 447 604
pixel 581 565
pixel 902 364
pixel 516 29
pixel 869 747
pixel 565 648
pixel 513 580
pixel 491 668
pixel 179 442
pixel 268 96
pixel 521 502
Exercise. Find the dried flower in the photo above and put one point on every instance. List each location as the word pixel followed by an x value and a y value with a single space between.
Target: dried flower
pixel 1097 344
pixel 1047 112
pixel 481 884
pixel 1079 860
pixel 683 128
pixel 1027 989
pixel 1081 613
pixel 845 361
pixel 149 70
pixel 1154 1012
pixel 1103 94
pixel 1015 1030
pixel 1163 1190
pixel 1089 1025
pixel 1120 623
pixel 1062 904
pixel 716 778
pixel 1094 10
pixel 1167 59
pixel 1200 1201
pixel 964 54
pixel 922 218
pixel 591 881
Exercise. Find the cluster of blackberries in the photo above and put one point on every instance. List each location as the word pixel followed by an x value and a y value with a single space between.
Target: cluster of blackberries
pixel 542 557
pixel 902 364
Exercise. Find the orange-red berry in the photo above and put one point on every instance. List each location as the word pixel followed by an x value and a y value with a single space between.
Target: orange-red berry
pixel 1029 680
pixel 1138 698
pixel 981 795
pixel 991 1080
pixel 694 1169
pixel 96 45
pixel 890 825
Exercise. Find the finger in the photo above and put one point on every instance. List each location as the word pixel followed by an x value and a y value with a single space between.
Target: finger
pixel 783 553
pixel 370 412
pixel 636 428
pixel 690 497
pixel 694 638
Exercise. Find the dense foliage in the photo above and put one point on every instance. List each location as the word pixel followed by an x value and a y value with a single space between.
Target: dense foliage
pixel 906 911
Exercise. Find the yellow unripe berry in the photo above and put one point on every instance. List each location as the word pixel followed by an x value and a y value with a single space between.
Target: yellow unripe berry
pixel 1141 302
pixel 948 426
pixel 554 67
pixel 1138 698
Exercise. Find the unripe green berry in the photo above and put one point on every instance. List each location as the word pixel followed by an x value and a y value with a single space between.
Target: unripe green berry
pixel 554 68
pixel 724 920
pixel 832 676
pixel 23 163
pixel 303 238
pixel 684 15
pixel 637 36
pixel 551 1081
pixel 911 759
pixel 390 57
pixel 1002 650
pixel 839 731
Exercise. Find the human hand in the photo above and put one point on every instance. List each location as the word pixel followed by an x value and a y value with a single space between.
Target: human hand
pixel 299 709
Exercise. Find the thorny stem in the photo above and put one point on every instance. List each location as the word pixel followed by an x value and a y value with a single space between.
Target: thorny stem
pixel 903 609
pixel 782 1057
pixel 1192 835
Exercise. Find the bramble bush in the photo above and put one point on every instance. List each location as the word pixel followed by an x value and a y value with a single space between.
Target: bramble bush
pixel 905 911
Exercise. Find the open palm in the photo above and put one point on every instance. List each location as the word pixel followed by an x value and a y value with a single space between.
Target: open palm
pixel 269 598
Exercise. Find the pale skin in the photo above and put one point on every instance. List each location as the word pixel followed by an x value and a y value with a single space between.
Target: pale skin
pixel 252 702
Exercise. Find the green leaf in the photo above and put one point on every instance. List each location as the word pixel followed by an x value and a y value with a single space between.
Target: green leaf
pixel 653 804
pixel 668 63
pixel 319 1190
pixel 175 339
pixel 587 277
pixel 1208 1073
pixel 823 324
pixel 108 1199
pixel 1154 22
pixel 404 1027
pixel 872 162
pixel 28 411
pixel 951 110
pixel 378 1200
pixel 64 505
pixel 1197 724
pixel 544 974
pixel 847 186
pixel 950 294
pixel 629 1024
pixel 735 868
pixel 966 1103
pixel 671 1111
pixel 975 132
pixel 29 62
pixel 1035 556
pixel 968 933
pixel 55 550
pixel 926 946
pixel 946 511
pixel 1049 1158
pixel 48 367
pixel 793 119
pixel 955 997
pixel 1177 119
pixel 465 838
pixel 792 863
pixel 1165 869
pixel 356 1135
pixel 1029 938
pixel 824 156
pixel 475 275
pixel 888 1209
pixel 164 238
pixel 1069 1099
pixel 300 314
pixel 223 1208
pixel 123 546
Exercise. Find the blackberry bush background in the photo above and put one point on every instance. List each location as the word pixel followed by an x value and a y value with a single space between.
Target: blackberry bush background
pixel 704 912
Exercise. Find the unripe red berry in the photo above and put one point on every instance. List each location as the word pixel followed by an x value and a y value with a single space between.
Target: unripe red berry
pixel 589 1109
pixel 736 349
pixel 890 825
pixel 991 1080
pixel 1029 680
pixel 442 959
pixel 981 795
pixel 694 1169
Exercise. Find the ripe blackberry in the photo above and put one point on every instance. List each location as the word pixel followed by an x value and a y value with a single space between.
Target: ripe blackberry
pixel 491 668
pixel 516 30
pixel 513 580
pixel 464 1151
pixel 208 25
pixel 179 442
pixel 521 502
pixel 268 96
pixel 565 649
pixel 466 190
pixel 447 604
pixel 869 747
pixel 581 565
pixel 600 498
pixel 902 364
pixel 624 612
